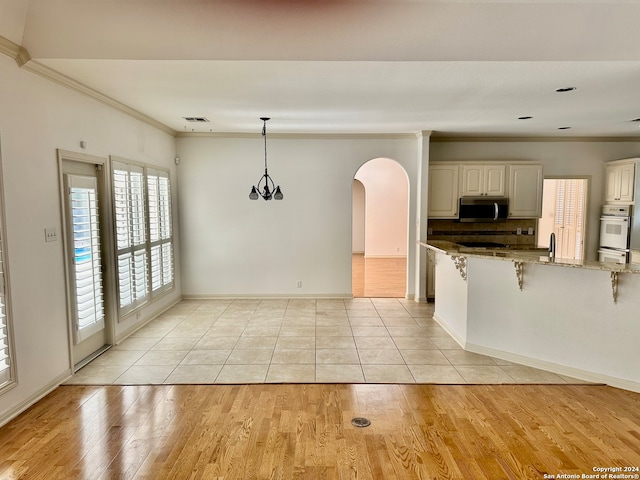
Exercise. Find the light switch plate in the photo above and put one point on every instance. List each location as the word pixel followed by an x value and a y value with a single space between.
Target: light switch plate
pixel 530 230
pixel 50 234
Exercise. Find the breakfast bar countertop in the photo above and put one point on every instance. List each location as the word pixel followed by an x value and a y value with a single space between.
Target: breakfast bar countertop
pixel 526 255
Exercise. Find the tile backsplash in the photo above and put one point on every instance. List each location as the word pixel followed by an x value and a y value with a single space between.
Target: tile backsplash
pixel 501 232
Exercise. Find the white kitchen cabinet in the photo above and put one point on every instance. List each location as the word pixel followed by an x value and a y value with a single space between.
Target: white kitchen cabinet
pixel 483 180
pixel 443 191
pixel 619 182
pixel 525 190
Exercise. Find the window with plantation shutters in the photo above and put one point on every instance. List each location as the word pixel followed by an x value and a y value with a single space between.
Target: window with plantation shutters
pixel 144 235
pixel 131 237
pixel 160 232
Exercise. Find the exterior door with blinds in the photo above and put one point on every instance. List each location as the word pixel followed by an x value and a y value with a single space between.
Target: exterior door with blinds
pixel 5 358
pixel 569 217
pixel 85 260
pixel 564 213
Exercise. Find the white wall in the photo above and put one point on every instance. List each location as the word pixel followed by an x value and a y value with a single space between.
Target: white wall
pixel 13 18
pixel 560 158
pixel 36 118
pixel 387 203
pixel 234 246
pixel 358 216
pixel 564 319
pixel 451 298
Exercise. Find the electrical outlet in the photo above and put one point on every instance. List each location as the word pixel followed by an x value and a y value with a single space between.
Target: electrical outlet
pixel 530 230
pixel 299 284
pixel 519 231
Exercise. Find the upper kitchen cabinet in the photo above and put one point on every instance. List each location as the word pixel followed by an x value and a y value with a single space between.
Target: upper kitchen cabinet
pixel 483 180
pixel 450 181
pixel 525 190
pixel 619 181
pixel 443 190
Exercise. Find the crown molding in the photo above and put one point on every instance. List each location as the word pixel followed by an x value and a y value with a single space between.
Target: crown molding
pixel 25 62
pixel 305 136
pixel 506 139
pixel 57 77
pixel 15 51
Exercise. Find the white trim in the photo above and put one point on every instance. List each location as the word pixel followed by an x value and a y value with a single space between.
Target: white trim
pixel 212 296
pixel 15 51
pixel 56 77
pixel 506 139
pixel 12 381
pixel 23 59
pixel 16 410
pixel 459 340
pixel 584 375
pixel 385 256
pixel 306 136
pixel 560 369
pixel 127 333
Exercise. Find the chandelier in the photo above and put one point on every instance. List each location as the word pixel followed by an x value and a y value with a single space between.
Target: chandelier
pixel 266 188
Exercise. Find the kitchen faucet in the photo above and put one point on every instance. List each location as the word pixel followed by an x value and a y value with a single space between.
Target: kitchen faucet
pixel 552 247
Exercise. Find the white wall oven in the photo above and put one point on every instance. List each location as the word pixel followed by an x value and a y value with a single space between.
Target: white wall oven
pixel 615 228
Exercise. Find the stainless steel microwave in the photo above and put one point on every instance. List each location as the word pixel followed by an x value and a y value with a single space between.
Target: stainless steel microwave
pixel 483 209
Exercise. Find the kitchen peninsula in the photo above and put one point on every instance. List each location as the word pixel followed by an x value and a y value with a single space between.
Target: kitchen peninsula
pixel 574 318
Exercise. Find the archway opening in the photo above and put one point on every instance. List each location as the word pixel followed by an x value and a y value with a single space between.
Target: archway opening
pixel 380 229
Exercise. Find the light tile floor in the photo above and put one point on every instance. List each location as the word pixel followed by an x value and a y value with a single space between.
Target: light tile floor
pixel 360 340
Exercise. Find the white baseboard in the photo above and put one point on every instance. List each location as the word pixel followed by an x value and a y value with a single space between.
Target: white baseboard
pixel 385 256
pixel 16 410
pixel 222 296
pixel 577 373
pixel 127 333
pixel 459 340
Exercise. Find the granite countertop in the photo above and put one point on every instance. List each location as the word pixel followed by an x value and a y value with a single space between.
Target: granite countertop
pixel 525 255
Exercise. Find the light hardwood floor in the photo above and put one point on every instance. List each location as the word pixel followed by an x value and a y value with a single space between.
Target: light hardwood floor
pixel 218 432
pixel 379 277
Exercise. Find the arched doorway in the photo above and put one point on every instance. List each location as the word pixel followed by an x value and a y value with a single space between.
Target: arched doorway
pixel 380 229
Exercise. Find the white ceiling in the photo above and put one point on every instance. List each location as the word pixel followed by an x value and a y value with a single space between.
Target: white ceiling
pixel 351 66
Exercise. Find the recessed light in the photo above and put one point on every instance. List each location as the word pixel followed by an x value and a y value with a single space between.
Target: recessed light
pixel 565 89
pixel 564 128
pixel 526 117
pixel 196 119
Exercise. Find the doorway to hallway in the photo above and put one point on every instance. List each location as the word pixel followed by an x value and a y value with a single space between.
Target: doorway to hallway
pixel 380 202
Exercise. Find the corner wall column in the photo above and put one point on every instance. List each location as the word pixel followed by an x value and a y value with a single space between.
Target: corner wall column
pixel 422 196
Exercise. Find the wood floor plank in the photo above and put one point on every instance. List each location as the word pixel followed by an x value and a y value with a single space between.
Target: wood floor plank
pixel 378 277
pixel 299 431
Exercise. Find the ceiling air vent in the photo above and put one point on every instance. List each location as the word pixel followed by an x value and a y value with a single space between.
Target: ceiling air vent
pixel 196 119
